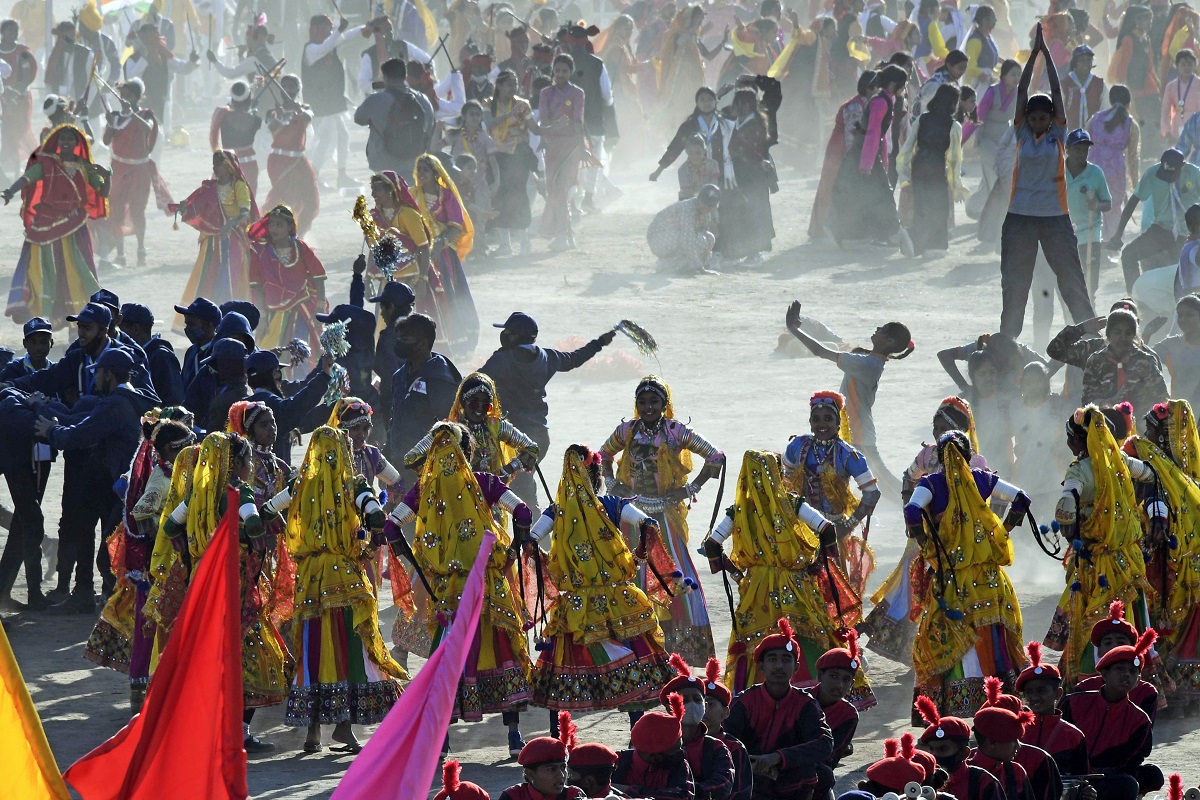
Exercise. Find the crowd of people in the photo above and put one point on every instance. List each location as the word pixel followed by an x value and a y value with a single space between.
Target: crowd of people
pixel 384 463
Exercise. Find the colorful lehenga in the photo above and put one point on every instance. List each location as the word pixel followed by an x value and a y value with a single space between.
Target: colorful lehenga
pixel 56 271
pixel 344 671
pixel 170 566
pixel 602 641
pixel 444 213
pixel 266 665
pixel 1099 510
pixel 654 463
pixel 1175 567
pixel 452 507
pixel 970 625
pixel 892 623
pixel 222 269
pixel 289 288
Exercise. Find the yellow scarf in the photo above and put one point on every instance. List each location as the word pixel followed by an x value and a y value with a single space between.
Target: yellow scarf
pixel 322 516
pixel 209 484
pixel 1183 497
pixel 1185 444
pixel 466 241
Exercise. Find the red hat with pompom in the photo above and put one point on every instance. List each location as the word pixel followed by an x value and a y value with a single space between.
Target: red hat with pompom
pixel 1001 718
pixel 656 731
pixel 1134 654
pixel 684 679
pixel 897 768
pixel 842 657
pixel 1115 622
pixel 454 788
pixel 546 749
pixel 713 687
pixel 939 727
pixel 784 640
pixel 1036 669
pixel 591 754
pixel 927 760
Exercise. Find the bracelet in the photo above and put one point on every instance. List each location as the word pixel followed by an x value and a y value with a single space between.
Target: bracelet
pixel 691 488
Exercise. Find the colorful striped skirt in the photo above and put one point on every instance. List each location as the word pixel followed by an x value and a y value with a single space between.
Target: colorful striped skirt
pixel 53 280
pixel 222 269
pixel 496 677
pixel 960 692
pixel 607 674
pixel 686 627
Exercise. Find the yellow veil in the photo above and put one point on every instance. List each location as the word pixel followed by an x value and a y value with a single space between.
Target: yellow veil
pixel 347 404
pixel 467 240
pixel 963 407
pixel 593 568
pixel 209 483
pixel 503 454
pixel 165 558
pixel 322 516
pixel 1185 444
pixel 673 468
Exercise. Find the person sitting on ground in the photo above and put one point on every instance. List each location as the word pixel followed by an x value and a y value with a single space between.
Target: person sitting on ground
pixel 998 728
pixel 683 234
pixel 836 671
pixel 708 757
pixel 948 738
pixel 544 763
pixel 717 698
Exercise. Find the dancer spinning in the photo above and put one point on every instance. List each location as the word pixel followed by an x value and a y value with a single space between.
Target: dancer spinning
pixel 892 623
pixel 452 506
pixel 287 280
pixel 219 210
pixel 820 467
pixel 1098 510
pixel 292 178
pixel 970 624
pixel 655 453
pixel 61 190
pixel 603 644
pixel 781 558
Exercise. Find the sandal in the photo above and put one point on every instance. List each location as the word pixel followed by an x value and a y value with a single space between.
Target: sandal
pixel 312 747
pixel 353 749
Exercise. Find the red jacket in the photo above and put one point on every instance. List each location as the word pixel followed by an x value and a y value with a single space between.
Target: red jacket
pixel 793 727
pixel 1119 735
pixel 1062 740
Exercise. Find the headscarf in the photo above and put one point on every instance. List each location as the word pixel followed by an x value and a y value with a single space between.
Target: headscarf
pixel 209 484
pixel 1185 443
pixel 322 517
pixel 403 196
pixel 259 232
pixel 673 466
pixel 242 416
pixel 203 206
pixel 968 524
pixel 761 497
pixel 444 183
pixel 963 407
pixel 836 401
pixel 590 562
pixel 1114 522
pixel 34 193
pixel 348 412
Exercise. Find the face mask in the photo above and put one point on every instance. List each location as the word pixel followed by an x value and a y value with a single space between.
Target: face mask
pixel 402 349
pixel 952 764
pixel 693 713
pixel 194 335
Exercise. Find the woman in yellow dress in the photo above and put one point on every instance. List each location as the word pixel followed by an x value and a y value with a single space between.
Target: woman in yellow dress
pixel 453 238
pixel 344 674
pixel 452 507
pixel 970 625
pixel 783 558
pixel 1099 513
pixel 224 460
pixel 602 645
pixel 653 455
pixel 170 561
pixel 396 212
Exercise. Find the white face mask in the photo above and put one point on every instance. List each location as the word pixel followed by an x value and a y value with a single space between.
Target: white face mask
pixel 693 713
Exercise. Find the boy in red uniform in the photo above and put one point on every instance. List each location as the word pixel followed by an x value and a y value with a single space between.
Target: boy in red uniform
pixel 896 770
pixel 717 698
pixel 998 729
pixel 454 788
pixel 948 738
pixel 1040 687
pixel 1119 733
pixel 712 766
pixel 657 766
pixel 782 727
pixel 1115 631
pixel 590 769
pixel 836 671
pixel 545 763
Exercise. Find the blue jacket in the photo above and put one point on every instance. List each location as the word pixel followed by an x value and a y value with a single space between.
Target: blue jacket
pixel 521 374
pixel 69 378
pixel 191 362
pixel 112 427
pixel 420 398
pixel 164 370
pixel 290 412
pixel 17 368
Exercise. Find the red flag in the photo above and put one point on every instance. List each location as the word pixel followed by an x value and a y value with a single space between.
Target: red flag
pixel 402 757
pixel 187 742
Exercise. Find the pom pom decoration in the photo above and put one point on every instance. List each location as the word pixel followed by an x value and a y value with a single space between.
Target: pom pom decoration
pixel 891 748
pixel 908 746
pixel 681 667
pixel 1034 651
pixel 451 776
pixel 640 337
pixel 1102 581
pixel 992 687
pixel 387 251
pixel 567 730
pixel 712 671
pixel 675 702
pixel 1175 787
pixel 928 710
pixel 1116 610
pixel 334 345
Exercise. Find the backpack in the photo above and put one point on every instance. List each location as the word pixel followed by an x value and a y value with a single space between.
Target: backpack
pixel 405 136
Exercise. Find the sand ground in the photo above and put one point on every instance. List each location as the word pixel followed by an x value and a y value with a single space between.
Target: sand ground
pixel 717 336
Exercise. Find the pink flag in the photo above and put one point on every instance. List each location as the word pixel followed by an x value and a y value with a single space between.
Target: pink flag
pixel 402 756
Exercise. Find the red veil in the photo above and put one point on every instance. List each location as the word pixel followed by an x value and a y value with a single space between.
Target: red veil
pixel 202 208
pixel 55 206
pixel 404 198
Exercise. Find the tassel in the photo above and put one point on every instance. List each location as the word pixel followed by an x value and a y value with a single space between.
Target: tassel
pixel 1076 586
pixel 677 574
pixel 1173 542
pixel 1103 581
pixel 955 615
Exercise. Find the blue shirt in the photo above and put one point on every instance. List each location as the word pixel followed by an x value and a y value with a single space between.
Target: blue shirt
pixel 1189 138
pixel 1088 183
pixel 1039 182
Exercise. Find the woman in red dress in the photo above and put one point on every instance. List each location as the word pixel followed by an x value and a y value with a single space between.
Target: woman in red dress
pixel 287 280
pixel 845 126
pixel 292 178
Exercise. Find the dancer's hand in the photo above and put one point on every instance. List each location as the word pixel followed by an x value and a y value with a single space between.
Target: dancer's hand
pixel 793 316
pixel 360 264
pixel 654 175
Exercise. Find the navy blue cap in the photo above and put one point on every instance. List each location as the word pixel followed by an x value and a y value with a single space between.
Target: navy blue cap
pixel 37 325
pixel 234 324
pixel 105 297
pixel 203 308
pixel 396 294
pixel 1077 136
pixel 261 362
pixel 93 312
pixel 116 360
pixel 519 323
pixel 6 356
pixel 231 349
pixel 137 313
pixel 245 308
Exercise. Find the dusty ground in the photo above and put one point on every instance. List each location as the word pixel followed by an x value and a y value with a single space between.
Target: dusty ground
pixel 717 337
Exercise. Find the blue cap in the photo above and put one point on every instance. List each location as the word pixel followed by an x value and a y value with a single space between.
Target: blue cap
pixel 230 349
pixel 396 294
pixel 107 298
pixel 203 308
pixel 245 308
pixel 93 312
pixel 37 325
pixel 116 360
pixel 234 324
pixel 1082 50
pixel 1078 135
pixel 137 313
pixel 519 323
pixel 261 362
